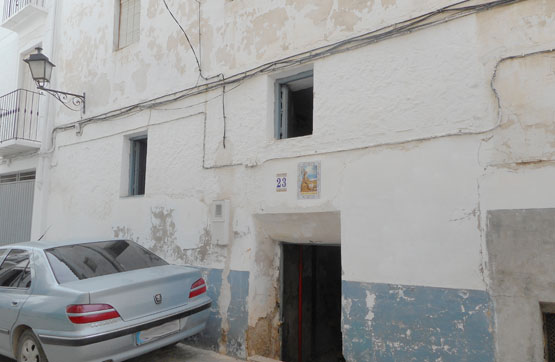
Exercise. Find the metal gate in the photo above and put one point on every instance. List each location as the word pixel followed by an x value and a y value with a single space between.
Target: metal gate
pixel 16 211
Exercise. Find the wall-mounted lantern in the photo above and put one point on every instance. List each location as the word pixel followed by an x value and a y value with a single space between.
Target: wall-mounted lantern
pixel 41 71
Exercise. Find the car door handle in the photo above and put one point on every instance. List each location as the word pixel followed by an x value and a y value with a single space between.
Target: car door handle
pixel 14 303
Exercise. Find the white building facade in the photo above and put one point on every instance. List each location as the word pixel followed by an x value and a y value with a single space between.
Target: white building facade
pixel 370 178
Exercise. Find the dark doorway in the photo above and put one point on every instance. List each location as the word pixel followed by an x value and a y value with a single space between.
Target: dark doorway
pixel 549 336
pixel 311 304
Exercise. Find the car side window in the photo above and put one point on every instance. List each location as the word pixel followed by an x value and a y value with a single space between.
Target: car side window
pixel 15 271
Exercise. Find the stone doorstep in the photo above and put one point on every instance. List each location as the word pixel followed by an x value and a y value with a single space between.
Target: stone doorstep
pixel 261 359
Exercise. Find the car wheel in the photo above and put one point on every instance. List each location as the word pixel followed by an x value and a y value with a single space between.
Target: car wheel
pixel 29 348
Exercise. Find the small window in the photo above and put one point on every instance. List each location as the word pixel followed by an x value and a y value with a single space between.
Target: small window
pixel 128 22
pixel 15 271
pixel 15 177
pixel 137 166
pixel 294 104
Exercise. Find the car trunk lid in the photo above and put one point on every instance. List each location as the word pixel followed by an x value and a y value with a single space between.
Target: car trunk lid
pixel 138 293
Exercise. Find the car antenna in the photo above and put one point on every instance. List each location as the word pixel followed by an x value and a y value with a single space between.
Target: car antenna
pixel 45 231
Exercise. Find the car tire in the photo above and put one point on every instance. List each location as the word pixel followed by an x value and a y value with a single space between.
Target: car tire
pixel 29 348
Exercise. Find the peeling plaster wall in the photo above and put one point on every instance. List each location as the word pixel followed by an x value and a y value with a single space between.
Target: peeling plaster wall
pixel 235 36
pixel 384 322
pixel 414 148
pixel 227 334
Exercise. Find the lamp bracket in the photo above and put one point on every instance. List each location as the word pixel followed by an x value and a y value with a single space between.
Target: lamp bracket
pixel 72 101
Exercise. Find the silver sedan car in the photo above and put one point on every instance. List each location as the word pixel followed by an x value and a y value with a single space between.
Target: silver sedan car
pixel 103 301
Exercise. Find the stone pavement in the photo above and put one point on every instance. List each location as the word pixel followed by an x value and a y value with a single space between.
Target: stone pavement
pixel 177 353
pixel 183 353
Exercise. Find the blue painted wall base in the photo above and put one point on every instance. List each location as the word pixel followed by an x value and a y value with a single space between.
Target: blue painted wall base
pixel 237 314
pixel 384 322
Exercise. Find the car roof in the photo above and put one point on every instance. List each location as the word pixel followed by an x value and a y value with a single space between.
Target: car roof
pixel 49 244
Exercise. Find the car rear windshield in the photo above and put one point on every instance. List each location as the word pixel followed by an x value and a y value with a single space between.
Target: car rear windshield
pixel 89 260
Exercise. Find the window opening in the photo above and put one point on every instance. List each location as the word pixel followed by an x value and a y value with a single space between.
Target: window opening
pixel 18 176
pixel 129 22
pixel 294 105
pixel 218 213
pixel 138 166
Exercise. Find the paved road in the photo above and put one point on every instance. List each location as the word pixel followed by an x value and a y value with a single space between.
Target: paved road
pixel 178 353
pixel 182 353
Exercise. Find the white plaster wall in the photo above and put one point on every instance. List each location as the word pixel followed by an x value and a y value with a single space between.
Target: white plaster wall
pixel 236 36
pixel 8 60
pixel 413 217
pixel 415 205
pixel 413 146
pixel 13 47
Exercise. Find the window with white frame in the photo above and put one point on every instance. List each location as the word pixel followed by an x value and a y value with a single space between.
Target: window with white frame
pixel 294 105
pixel 128 22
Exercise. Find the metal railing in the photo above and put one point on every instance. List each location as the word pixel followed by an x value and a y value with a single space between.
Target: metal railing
pixel 19 115
pixel 11 7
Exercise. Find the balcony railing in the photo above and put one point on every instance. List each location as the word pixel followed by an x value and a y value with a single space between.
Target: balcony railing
pixel 12 7
pixel 19 116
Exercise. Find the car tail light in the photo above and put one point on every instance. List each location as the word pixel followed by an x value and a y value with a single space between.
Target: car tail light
pixel 88 313
pixel 197 288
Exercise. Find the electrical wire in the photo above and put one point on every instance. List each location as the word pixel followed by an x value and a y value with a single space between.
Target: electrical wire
pixel 451 12
pixel 185 33
pixel 198 60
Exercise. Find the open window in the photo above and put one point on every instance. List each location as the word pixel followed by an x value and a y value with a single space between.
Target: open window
pixel 294 105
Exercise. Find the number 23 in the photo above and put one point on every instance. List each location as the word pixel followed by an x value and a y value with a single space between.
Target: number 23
pixel 281 182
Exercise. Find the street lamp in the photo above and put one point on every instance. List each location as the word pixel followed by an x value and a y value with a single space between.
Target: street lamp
pixel 41 71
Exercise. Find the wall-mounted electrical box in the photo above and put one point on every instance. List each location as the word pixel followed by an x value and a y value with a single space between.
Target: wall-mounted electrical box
pixel 219 222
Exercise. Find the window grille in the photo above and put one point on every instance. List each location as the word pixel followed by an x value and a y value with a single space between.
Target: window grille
pixel 129 22
pixel 19 176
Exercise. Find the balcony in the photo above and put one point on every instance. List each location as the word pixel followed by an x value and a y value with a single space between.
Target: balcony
pixel 19 122
pixel 20 15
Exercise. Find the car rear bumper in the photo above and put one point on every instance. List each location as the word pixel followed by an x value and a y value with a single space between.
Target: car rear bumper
pixel 120 344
